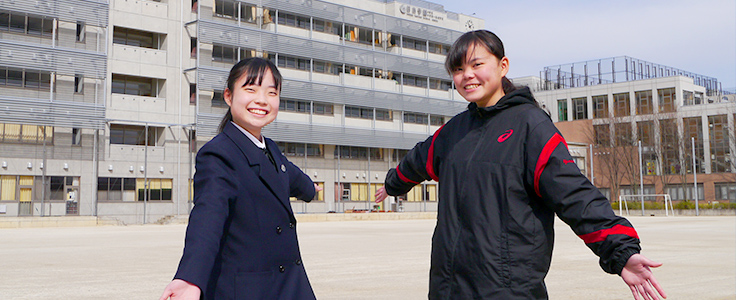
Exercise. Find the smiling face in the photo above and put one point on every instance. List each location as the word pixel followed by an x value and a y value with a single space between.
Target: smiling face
pixel 253 106
pixel 478 79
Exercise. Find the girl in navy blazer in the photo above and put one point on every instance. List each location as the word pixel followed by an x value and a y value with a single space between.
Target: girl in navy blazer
pixel 241 239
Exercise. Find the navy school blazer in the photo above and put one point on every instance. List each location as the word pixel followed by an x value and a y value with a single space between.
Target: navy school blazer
pixel 241 240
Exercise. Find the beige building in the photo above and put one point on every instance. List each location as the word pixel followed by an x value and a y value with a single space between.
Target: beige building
pixel 610 110
pixel 104 104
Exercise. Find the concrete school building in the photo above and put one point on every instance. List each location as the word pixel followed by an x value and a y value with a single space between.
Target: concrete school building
pixel 605 107
pixel 104 104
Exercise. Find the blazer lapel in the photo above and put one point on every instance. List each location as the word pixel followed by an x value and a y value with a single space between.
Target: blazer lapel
pixel 274 180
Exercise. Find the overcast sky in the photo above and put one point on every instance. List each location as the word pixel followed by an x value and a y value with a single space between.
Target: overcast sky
pixel 695 36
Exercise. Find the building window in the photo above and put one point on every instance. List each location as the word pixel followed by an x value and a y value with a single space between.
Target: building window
pixel 726 191
pixel 600 106
pixel 621 106
pixel 644 105
pixel 602 135
pixel 436 120
pixel 115 189
pixel 290 62
pixel 136 38
pixel 414 44
pixel 76 136
pixel 132 85
pixel 693 128
pixel 30 79
pixel 636 190
pixel 623 134
pixel 687 98
pixel 226 8
pixel 439 84
pixel 416 118
pixel 670 146
pixel 294 106
pixel 326 26
pixel 361 153
pixel 358 112
pixel 26 134
pixel 417 81
pixel 645 130
pixel 667 99
pixel 26 24
pixel 398 154
pixel 293 20
pixel 439 48
pixel 719 150
pixel 326 67
pixel 562 110
pixel 159 189
pixel 78 84
pixel 384 115
pixel 218 99
pixel 81 31
pixel 60 188
pixel 322 108
pixel 580 108
pixel 134 135
pixel 298 149
pixel 680 192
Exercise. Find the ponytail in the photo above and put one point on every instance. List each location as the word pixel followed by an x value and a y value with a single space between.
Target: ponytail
pixel 226 119
pixel 507 86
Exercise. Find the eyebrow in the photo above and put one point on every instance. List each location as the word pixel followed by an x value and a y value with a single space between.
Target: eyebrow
pixel 272 86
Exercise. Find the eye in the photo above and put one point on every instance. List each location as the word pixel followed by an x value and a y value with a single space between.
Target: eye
pixel 455 70
pixel 273 93
pixel 249 89
pixel 477 64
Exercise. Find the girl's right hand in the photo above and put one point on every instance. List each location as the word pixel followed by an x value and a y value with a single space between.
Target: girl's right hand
pixel 181 290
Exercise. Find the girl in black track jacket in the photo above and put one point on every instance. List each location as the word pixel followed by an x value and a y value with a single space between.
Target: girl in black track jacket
pixel 504 171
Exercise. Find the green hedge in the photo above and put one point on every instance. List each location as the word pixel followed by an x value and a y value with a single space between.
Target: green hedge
pixel 634 205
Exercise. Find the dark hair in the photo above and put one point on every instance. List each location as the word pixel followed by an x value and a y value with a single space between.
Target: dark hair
pixel 469 40
pixel 253 68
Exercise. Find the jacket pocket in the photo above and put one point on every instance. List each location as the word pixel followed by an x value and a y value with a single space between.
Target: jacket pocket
pixel 254 285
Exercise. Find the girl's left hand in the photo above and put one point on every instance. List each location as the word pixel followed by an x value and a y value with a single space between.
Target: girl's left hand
pixel 317 188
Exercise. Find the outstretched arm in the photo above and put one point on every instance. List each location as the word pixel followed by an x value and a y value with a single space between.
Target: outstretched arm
pixel 638 275
pixel 180 290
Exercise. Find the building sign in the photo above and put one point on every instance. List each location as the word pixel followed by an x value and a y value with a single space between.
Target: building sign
pixel 420 13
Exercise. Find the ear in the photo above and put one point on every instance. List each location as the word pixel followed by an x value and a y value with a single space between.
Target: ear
pixel 228 96
pixel 504 63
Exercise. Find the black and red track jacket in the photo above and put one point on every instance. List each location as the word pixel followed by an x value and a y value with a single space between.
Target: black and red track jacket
pixel 504 172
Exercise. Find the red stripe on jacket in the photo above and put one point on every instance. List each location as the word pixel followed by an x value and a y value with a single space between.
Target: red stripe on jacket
pixel 601 235
pixel 555 140
pixel 402 177
pixel 430 156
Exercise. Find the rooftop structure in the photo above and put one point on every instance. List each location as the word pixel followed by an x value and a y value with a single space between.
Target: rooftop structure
pixel 617 69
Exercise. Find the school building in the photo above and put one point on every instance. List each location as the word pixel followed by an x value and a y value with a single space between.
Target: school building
pixel 606 107
pixel 103 104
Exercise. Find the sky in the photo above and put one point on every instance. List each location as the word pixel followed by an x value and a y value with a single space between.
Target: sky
pixel 695 36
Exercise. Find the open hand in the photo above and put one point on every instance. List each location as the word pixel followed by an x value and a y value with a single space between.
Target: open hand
pixel 640 279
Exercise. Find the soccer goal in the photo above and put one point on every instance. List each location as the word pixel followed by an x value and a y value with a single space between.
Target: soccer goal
pixel 622 199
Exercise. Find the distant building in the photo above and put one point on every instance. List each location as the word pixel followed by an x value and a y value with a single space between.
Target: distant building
pixel 104 104
pixel 612 104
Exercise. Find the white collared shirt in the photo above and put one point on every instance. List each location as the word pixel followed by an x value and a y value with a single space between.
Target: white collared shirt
pixel 260 144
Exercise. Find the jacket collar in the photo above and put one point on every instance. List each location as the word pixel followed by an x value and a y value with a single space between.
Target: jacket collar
pixel 273 178
pixel 519 96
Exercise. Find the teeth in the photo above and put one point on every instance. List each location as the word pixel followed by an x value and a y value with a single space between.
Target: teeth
pixel 258 111
pixel 471 86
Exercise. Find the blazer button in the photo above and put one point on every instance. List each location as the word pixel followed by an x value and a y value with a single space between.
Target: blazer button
pixel 291 225
pixel 278 229
pixel 282 269
pixel 298 262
